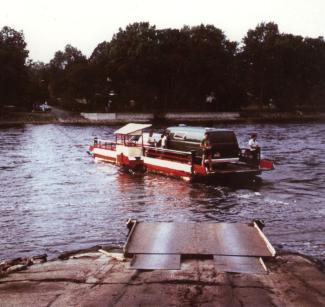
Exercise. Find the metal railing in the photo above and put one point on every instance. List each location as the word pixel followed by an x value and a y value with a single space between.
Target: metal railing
pixel 104 144
pixel 168 154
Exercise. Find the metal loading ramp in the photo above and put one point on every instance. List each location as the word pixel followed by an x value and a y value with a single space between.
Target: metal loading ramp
pixel 233 247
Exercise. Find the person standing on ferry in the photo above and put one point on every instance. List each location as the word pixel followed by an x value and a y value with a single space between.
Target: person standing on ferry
pixel 207 151
pixel 253 146
pixel 164 140
pixel 151 139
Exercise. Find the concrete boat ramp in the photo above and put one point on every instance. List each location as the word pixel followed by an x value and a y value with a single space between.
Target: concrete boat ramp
pixel 233 247
pixel 171 264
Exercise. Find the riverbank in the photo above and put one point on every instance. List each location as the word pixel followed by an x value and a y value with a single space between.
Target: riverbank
pixel 101 277
pixel 58 116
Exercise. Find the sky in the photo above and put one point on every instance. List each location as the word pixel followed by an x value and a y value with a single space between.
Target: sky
pixel 49 25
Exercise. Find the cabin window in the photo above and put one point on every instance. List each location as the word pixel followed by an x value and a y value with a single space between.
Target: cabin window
pixel 135 138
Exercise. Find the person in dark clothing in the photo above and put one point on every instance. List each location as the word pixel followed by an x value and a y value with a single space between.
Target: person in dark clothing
pixel 207 151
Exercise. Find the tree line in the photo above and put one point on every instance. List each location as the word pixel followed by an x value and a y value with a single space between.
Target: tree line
pixel 189 69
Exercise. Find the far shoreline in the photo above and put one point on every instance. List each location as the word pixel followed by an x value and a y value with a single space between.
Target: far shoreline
pixel 161 119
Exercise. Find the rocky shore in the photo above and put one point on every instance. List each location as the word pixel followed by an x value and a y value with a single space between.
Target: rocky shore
pixel 101 277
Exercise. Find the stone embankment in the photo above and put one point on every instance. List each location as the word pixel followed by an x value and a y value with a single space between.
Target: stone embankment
pixel 168 117
pixel 204 117
pixel 100 277
pixel 59 116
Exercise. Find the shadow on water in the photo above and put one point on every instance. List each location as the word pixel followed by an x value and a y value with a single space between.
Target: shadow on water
pixel 235 182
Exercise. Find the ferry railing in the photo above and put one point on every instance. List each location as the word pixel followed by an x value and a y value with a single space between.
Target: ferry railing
pixel 104 144
pixel 168 154
pixel 129 143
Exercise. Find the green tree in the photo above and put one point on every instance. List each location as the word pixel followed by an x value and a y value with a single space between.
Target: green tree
pixel 258 61
pixel 38 82
pixel 69 74
pixel 13 73
pixel 284 69
pixel 171 68
pixel 132 58
pixel 209 65
pixel 102 84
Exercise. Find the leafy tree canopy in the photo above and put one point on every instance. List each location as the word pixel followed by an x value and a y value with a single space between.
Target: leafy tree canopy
pixel 13 73
pixel 143 68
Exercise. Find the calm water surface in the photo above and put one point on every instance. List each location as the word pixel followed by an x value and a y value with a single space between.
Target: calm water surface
pixel 54 197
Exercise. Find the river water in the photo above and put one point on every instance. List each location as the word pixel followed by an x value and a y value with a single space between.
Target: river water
pixel 55 198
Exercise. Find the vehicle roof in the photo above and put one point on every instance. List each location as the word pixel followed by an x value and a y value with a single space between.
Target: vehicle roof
pixel 195 129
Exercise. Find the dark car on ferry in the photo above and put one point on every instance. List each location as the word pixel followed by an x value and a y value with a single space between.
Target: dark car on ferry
pixel 184 138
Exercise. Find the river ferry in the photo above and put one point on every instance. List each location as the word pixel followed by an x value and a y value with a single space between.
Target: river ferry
pixel 137 149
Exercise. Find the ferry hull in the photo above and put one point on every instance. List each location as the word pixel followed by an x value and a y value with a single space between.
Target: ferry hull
pixel 186 171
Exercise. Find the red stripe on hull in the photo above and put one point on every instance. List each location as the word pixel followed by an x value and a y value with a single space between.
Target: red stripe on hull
pixel 168 171
pixel 122 160
pixel 106 158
